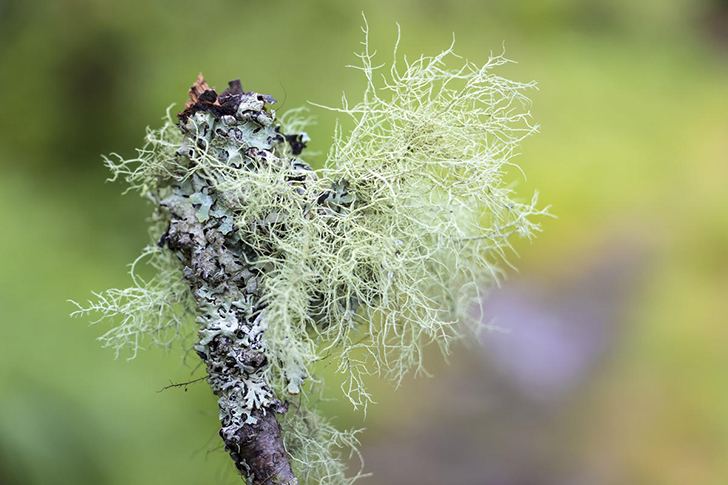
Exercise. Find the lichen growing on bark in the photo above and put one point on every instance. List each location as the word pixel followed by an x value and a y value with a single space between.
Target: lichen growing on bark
pixel 364 262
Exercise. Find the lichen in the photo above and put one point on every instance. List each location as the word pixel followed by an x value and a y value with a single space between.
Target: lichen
pixel 158 308
pixel 364 263
pixel 319 451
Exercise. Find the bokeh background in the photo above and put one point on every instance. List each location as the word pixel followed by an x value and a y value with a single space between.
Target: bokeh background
pixel 613 366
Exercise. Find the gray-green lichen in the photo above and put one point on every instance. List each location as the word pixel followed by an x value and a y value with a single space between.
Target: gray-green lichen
pixel 364 262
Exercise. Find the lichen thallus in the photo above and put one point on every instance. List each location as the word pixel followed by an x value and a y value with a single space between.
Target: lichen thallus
pixel 386 249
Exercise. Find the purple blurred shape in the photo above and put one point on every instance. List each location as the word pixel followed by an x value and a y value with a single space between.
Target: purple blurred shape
pixel 551 334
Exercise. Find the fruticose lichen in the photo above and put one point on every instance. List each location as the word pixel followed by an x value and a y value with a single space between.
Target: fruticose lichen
pixel 365 262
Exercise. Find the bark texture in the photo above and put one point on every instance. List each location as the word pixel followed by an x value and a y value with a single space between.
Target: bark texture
pixel 257 450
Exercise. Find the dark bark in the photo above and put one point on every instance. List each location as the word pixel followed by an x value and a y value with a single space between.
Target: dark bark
pixel 258 453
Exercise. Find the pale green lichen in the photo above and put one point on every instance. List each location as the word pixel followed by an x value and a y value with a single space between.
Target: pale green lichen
pixel 384 251
pixel 157 308
pixel 319 451
pixel 426 160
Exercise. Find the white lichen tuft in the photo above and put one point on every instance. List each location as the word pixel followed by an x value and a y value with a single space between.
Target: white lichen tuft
pixel 319 451
pixel 425 224
pixel 159 308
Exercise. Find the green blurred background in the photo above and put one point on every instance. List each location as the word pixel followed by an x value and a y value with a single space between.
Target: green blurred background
pixel 614 368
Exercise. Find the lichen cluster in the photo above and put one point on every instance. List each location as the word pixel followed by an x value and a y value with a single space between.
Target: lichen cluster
pixel 224 255
pixel 364 262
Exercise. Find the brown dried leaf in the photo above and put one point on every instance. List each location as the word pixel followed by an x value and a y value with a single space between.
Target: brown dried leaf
pixel 199 87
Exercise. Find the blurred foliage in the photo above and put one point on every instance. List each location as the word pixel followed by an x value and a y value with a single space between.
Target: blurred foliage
pixel 633 107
